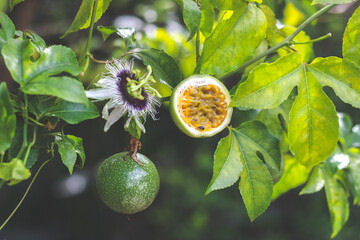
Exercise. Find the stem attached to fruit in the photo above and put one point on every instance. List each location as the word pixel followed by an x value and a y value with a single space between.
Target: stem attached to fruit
pixel 24 196
pixel 135 145
pixel 285 42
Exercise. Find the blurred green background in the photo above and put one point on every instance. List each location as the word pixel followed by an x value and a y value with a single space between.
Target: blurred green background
pixel 63 207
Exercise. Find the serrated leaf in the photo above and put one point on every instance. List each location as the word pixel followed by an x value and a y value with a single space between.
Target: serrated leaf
pixel 257 145
pixel 315 183
pixel 269 84
pixel 164 67
pixel 337 201
pixel 207 17
pixel 227 164
pixel 7 29
pixel 36 77
pixel 313 125
pixel 7 119
pixel 294 175
pixel 233 41
pixel 351 41
pixel 83 16
pixel 339 74
pixel 14 171
pixel 69 147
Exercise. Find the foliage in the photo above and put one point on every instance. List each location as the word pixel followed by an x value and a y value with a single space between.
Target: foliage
pixel 297 137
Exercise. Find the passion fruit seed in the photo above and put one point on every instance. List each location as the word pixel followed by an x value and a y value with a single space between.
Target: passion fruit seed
pixel 200 106
pixel 124 185
pixel 203 107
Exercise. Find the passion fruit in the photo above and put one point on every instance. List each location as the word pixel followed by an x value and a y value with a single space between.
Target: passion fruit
pixel 124 185
pixel 199 106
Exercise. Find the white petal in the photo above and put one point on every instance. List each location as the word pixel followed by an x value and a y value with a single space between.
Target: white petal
pixel 99 93
pixel 109 105
pixel 115 115
pixel 140 125
pixel 127 124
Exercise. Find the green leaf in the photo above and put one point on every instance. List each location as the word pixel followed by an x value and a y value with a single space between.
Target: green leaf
pixel 257 147
pixel 227 164
pixel 233 41
pixel 351 41
pixel 15 51
pixel 69 147
pixel 72 113
pixel 36 77
pixel 294 175
pixel 271 118
pixel 341 75
pixel 226 4
pixel 332 1
pixel 106 31
pixel 14 171
pixel 354 178
pixel 83 16
pixel 271 23
pixel 269 84
pixel 313 126
pixel 306 50
pixel 13 3
pixel 207 17
pixel 164 67
pixel 7 30
pixel 37 41
pixel 315 183
pixel 133 129
pixel 7 119
pixel 337 201
pixel 191 15
pixel 66 88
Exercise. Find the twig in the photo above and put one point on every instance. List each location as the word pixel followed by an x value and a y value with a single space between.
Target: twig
pixel 24 196
pixel 285 42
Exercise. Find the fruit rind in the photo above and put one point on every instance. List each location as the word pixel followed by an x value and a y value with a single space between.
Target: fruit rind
pixel 197 80
pixel 124 185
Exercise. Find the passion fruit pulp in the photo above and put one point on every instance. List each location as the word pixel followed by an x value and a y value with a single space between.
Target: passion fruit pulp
pixel 124 185
pixel 199 106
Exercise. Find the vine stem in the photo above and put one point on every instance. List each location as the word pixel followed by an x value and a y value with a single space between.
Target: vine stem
pixel 24 196
pixel 329 35
pixel 24 143
pixel 86 52
pixel 197 46
pixel 287 41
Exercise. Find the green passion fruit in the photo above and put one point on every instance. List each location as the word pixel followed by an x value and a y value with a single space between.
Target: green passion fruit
pixel 124 185
pixel 199 106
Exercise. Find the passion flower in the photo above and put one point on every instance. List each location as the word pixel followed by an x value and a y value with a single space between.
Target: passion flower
pixel 200 106
pixel 129 92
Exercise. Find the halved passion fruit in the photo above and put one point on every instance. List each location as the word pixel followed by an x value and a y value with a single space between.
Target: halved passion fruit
pixel 199 106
